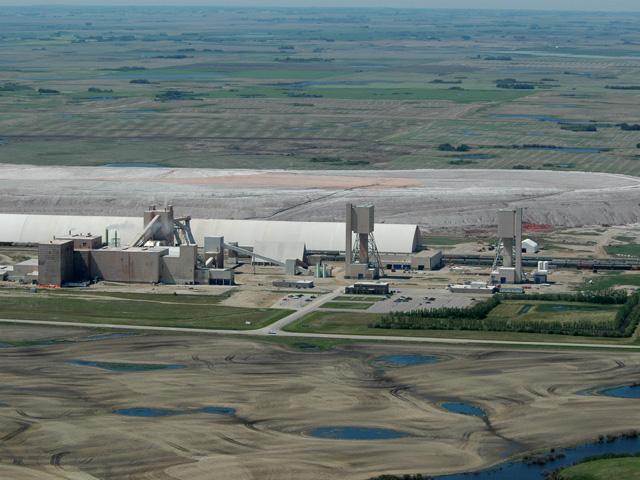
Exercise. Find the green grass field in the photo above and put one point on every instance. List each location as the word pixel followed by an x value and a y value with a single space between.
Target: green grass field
pixel 604 281
pixel 347 305
pixel 607 469
pixel 134 311
pixel 628 250
pixel 359 298
pixel 553 311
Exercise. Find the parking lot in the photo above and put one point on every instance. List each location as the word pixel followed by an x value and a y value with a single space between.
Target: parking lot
pixel 405 299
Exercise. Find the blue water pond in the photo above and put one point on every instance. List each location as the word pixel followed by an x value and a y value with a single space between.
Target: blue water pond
pixel 406 360
pixel 147 412
pixel 622 391
pixel 464 409
pixel 625 391
pixel 126 367
pixel 108 336
pixel 357 433
pixel 538 118
pixel 561 458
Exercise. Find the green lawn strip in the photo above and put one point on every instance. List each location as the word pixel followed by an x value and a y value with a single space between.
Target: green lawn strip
pixel 348 305
pixel 69 309
pixel 605 281
pixel 359 324
pixel 628 250
pixel 148 297
pixel 358 298
pixel 627 468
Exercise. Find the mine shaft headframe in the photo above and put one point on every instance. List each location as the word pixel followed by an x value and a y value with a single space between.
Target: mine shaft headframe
pixel 162 228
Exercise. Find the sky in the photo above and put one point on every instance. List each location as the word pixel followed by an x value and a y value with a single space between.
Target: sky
pixel 596 5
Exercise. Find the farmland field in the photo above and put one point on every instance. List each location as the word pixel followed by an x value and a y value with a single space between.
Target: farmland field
pixel 319 88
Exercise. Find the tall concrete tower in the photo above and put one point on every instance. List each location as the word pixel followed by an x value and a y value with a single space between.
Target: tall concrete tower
pixel 510 236
pixel 359 220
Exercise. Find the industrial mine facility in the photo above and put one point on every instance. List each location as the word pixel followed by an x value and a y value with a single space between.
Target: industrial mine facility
pixel 162 248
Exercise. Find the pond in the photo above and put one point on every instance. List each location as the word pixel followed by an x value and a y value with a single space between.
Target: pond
pixel 476 156
pixel 560 458
pixel 622 391
pixel 357 433
pixel 464 409
pixel 406 360
pixel 566 149
pixel 126 367
pixel 538 118
pixel 148 412
pixel 107 336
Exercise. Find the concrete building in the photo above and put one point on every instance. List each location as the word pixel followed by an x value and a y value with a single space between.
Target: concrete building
pixel 473 287
pixel 367 288
pixel 55 263
pixel 128 264
pixel 81 241
pixel 179 265
pixel 424 260
pixel 220 276
pixel 298 284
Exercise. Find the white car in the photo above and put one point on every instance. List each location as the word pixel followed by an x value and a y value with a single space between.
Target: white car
pixel 272 332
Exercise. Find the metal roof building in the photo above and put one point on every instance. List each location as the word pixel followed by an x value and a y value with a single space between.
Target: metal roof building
pixel 317 236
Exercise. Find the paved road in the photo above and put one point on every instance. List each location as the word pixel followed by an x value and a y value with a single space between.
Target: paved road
pixel 264 331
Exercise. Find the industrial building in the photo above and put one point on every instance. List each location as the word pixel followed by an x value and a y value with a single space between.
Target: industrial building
pixel 530 246
pixel 367 288
pixel 317 237
pixel 423 260
pixel 164 251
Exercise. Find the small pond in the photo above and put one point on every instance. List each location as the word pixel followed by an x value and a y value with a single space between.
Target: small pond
pixel 567 149
pixel 538 118
pixel 464 409
pixel 107 336
pixel 148 412
pixel 357 433
pixel 406 360
pixel 126 367
pixel 622 391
